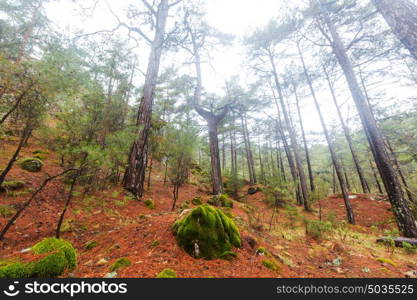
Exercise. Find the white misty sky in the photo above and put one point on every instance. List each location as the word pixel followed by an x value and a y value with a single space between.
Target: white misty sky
pixel 237 17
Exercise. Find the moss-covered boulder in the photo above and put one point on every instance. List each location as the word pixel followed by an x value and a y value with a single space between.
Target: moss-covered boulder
pixel 31 164
pixel 221 200
pixel 52 257
pixel 206 232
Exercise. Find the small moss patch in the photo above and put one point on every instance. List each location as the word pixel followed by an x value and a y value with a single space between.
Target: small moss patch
pixel 167 273
pixel 206 232
pixel 31 164
pixel 12 185
pixel 120 263
pixel 150 204
pixel 271 264
pixel 197 201
pixel 228 255
pixel 386 261
pixel 90 245
pixel 6 211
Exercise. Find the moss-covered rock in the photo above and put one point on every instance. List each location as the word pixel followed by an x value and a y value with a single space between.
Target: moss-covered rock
pixel 120 263
pixel 31 164
pixel 150 204
pixel 55 257
pixel 221 200
pixel 167 273
pixel 12 185
pixel 206 232
pixel 197 201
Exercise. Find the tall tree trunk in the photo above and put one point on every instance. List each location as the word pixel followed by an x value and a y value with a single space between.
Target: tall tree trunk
pixel 405 219
pixel 134 177
pixel 310 170
pixel 362 179
pixel 335 160
pixel 150 173
pixel 381 192
pixel 300 175
pixel 248 150
pixel 401 16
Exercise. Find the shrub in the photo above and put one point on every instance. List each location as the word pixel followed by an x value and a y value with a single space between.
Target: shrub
pixel 120 263
pixel 150 204
pixel 167 273
pixel 221 200
pixel 292 214
pixel 56 256
pixel 206 232
pixel 316 229
pixel 197 201
pixel 31 164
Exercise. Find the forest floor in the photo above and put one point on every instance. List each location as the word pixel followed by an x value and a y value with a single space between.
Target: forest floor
pixel 123 227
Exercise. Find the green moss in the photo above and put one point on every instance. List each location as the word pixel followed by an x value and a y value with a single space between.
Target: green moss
pixel 408 248
pixel 228 255
pixel 40 156
pixel 167 273
pixel 154 244
pixel 185 205
pixel 57 256
pixel 12 269
pixel 221 200
pixel 31 164
pixel 386 261
pixel 6 211
pixel 12 185
pixel 40 152
pixel 63 257
pixel 150 204
pixel 206 232
pixel 197 201
pixel 90 245
pixel 120 263
pixel 261 250
pixel 271 264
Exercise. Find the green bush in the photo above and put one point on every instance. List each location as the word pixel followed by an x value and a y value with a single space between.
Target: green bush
pixel 57 256
pixel 120 263
pixel 167 273
pixel 206 232
pixel 221 200
pixel 31 164
pixel 317 229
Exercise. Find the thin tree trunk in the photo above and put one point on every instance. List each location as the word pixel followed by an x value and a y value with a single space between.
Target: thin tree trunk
pixel 294 144
pixel 335 161
pixel 362 179
pixel 150 173
pixel 381 192
pixel 310 170
pixel 405 219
